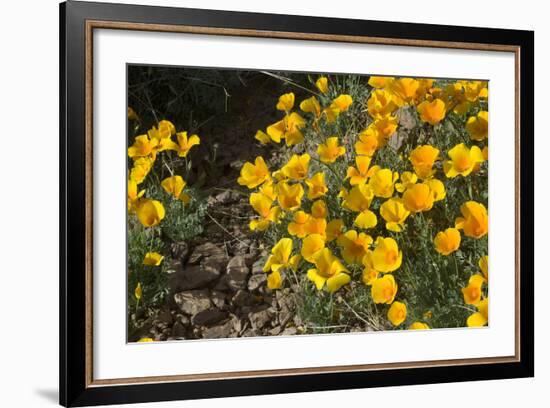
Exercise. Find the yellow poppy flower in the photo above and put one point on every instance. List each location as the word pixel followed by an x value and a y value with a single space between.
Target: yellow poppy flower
pixel 286 102
pixel 385 128
pixel 369 274
pixel 342 102
pixel 474 221
pixel 438 189
pixel 360 173
pixel 397 313
pixel 481 317
pixel 252 175
pixel 328 271
pixel 316 226
pixel 316 186
pixel 358 200
pixel 453 94
pixel 418 197
pixel 381 103
pixel 143 146
pixel 423 158
pixel 338 105
pixel 384 289
pixel 407 180
pixel 419 326
pixel 378 82
pixel 297 167
pixel 166 144
pixel 152 259
pixel 472 293
pixel 322 84
pixel 484 266
pixel 173 185
pixel 274 280
pixel 368 142
pixel 262 204
pixel 319 209
pixel 298 226
pixel 405 90
pixel 133 195
pixel 382 182
pixel 447 242
pixel 165 130
pixel 394 213
pixel 150 212
pixel 262 137
pixel 432 112
pixel 145 340
pixel 463 160
pixel 138 292
pixel 186 143
pixel 478 126
pixel 426 86
pixel 330 150
pixel 141 169
pixel 280 256
pixel 289 196
pixel 311 245
pixel 334 229
pixel 343 193
pixel 354 246
pixel 485 153
pixel 287 128
pixel 386 256
pixel 268 189
pixel 473 90
pixel 311 105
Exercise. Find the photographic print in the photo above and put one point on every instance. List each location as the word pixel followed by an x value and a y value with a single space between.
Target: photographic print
pixel 265 203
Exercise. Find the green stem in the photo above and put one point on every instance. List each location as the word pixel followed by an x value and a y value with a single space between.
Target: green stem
pixel 340 179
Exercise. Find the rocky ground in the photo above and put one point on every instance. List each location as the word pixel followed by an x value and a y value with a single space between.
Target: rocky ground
pixel 217 288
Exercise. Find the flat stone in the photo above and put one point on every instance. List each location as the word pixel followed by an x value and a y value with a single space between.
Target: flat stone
pixel 251 333
pixel 219 331
pixel 183 319
pixel 178 330
pixel 258 267
pixel 242 298
pixel 256 281
pixel 286 308
pixel 192 277
pixel 260 319
pixel 221 284
pixel 225 197
pixel 208 317
pixel 406 118
pixel 218 298
pixel 193 301
pixel 237 272
pixel 209 250
pixel 173 266
pixel 289 331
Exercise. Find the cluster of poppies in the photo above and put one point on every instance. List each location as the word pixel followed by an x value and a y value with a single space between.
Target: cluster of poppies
pixel 319 202
pixel 144 152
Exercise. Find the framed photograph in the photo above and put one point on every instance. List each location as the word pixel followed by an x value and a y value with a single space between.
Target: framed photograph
pixel 256 204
